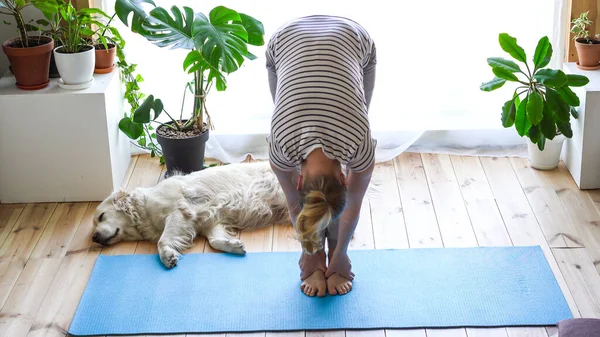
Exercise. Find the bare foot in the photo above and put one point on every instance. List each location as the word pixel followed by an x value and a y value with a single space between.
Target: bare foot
pixel 315 284
pixel 338 285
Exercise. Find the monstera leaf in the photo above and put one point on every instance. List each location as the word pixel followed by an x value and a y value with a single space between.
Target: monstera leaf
pixel 221 40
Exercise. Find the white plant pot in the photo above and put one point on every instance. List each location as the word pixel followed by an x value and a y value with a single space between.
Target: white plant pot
pixel 75 68
pixel 547 159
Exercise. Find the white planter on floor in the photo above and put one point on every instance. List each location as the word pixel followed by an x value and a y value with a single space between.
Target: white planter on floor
pixel 77 68
pixel 549 158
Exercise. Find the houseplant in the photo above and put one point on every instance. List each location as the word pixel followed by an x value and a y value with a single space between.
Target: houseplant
pixel 588 47
pixel 218 45
pixel 107 43
pixel 541 105
pixel 75 58
pixel 29 56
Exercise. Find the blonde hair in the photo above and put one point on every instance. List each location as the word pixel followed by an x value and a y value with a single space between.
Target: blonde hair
pixel 323 199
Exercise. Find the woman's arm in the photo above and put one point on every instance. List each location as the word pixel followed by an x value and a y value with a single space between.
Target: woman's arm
pixel 357 183
pixel 288 181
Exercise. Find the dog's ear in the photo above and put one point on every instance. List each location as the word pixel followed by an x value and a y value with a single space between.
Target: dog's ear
pixel 122 201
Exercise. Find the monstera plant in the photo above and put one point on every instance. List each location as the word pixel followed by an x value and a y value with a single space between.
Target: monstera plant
pixel 218 46
pixel 543 102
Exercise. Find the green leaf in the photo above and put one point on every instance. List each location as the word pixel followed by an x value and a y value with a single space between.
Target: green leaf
pixel 195 61
pixel 142 141
pixel 547 125
pixel 131 129
pixel 509 45
pixel 565 129
pixel 222 40
pixel 534 134
pixel 509 111
pixel 152 154
pixel 499 62
pixel 505 74
pixel 42 22
pixel 142 114
pixel 541 143
pixel 522 123
pixel 157 106
pixel 255 30
pixel 574 113
pixel 124 8
pixel 568 96
pixel 507 118
pixel 577 80
pixel 551 77
pixel 6 22
pixel 557 105
pixel 493 84
pixel 535 105
pixel 541 58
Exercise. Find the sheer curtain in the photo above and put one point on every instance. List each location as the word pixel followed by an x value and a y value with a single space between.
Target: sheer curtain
pixel 431 61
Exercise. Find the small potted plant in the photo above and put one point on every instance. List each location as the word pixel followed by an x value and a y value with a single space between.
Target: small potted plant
pixel 29 56
pixel 75 58
pixel 218 45
pixel 541 105
pixel 107 43
pixel 588 47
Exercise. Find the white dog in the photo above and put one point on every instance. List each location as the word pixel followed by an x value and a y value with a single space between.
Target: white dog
pixel 216 203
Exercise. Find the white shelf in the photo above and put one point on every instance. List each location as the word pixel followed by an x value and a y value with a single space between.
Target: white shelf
pixel 60 145
pixel 581 153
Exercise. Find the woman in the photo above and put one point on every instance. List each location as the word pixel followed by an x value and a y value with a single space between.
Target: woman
pixel 321 76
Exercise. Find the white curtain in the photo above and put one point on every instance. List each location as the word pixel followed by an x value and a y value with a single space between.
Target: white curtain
pixel 431 61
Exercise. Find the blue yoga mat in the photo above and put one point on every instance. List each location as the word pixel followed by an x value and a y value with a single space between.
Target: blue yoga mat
pixel 411 288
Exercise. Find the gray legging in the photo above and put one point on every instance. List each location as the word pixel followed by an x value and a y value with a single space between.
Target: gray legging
pixel 368 78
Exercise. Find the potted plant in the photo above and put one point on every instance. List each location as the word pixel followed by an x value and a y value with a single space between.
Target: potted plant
pixel 75 58
pixel 106 46
pixel 29 56
pixel 218 45
pixel 588 48
pixel 541 105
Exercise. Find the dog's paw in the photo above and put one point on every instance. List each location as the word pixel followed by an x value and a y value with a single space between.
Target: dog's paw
pixel 168 256
pixel 237 247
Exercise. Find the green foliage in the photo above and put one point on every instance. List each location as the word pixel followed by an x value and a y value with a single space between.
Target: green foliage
pixel 217 44
pixel 13 8
pixel 579 28
pixel 548 102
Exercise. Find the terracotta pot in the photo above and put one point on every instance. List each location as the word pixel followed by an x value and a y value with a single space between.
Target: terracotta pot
pixel 105 59
pixel 31 66
pixel 588 54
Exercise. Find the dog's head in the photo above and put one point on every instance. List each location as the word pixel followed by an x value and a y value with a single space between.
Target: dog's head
pixel 114 220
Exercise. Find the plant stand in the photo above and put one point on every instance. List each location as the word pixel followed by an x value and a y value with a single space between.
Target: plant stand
pixel 581 153
pixel 60 145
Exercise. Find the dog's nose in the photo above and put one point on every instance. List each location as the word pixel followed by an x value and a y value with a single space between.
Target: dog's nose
pixel 95 238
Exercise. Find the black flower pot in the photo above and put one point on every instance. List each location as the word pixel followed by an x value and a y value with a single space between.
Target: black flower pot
pixel 185 155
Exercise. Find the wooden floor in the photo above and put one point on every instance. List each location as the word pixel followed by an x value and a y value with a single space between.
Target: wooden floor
pixel 46 254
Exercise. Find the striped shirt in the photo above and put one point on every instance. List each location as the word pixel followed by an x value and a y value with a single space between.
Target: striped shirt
pixel 320 99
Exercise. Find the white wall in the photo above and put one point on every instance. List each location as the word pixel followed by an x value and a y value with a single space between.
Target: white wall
pixel 10 31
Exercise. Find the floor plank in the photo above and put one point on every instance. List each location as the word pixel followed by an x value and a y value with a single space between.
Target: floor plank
pixel 580 208
pixel 520 222
pixel 486 219
pixel 26 232
pixel 419 216
pixel 8 217
pixel 23 303
pixel 549 211
pixel 453 219
pixel 389 230
pixel 582 278
pixel 60 230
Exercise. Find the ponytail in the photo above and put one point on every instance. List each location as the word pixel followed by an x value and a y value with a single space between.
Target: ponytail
pixel 312 220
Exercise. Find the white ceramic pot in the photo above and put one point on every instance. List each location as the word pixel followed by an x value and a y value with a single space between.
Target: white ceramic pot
pixel 75 68
pixel 547 159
